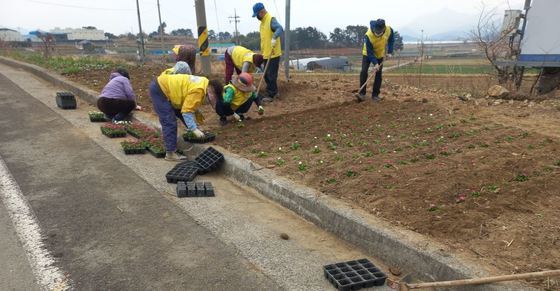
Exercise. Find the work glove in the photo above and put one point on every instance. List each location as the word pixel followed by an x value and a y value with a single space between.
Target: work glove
pixel 198 133
pixel 376 67
pixel 389 55
pixel 261 110
pixel 237 117
pixel 273 42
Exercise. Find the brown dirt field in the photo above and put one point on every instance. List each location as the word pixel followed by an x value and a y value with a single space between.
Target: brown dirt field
pixel 483 188
pixel 480 177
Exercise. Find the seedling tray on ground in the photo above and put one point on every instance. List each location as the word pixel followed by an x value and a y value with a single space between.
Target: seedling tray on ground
pixel 113 134
pixel 192 189
pixel 158 155
pixel 354 275
pixel 209 160
pixel 208 137
pixel 97 117
pixel 65 100
pixel 134 151
pixel 185 172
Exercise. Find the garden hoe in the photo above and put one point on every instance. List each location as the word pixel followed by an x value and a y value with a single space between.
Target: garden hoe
pixel 360 99
pixel 402 286
pixel 261 80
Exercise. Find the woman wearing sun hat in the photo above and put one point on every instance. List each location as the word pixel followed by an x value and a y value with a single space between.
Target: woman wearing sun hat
pixel 237 98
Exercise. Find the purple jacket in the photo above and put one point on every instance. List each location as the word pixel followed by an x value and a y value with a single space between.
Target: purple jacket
pixel 119 87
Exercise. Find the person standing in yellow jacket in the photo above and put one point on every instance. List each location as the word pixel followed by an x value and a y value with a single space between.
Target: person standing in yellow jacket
pixel 378 43
pixel 271 48
pixel 242 60
pixel 180 96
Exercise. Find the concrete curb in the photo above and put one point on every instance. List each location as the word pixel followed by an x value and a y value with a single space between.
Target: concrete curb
pixel 397 247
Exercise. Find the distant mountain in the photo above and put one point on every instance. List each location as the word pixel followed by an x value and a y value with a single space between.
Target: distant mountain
pixel 445 24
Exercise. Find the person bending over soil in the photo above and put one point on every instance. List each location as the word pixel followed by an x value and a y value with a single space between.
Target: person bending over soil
pixel 181 95
pixel 117 98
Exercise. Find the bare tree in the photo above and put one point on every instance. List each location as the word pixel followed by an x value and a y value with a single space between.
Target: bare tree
pixel 495 43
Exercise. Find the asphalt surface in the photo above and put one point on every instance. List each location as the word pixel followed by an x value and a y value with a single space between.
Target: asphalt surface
pixel 107 227
pixel 15 273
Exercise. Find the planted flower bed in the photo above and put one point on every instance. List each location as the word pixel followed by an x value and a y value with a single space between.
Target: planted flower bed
pixel 142 131
pixel 113 130
pixel 156 147
pixel 96 116
pixel 463 180
pixel 133 147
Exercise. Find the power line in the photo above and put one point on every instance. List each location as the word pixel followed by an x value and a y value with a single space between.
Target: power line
pixel 79 7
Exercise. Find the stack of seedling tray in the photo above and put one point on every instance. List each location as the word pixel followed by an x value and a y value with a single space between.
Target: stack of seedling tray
pixel 354 275
pixel 192 189
pixel 65 100
pixel 208 137
pixel 209 160
pixel 182 172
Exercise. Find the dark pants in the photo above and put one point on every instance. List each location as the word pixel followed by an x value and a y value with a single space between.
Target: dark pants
pixel 223 109
pixel 229 68
pixel 116 109
pixel 271 76
pixel 167 116
pixel 364 76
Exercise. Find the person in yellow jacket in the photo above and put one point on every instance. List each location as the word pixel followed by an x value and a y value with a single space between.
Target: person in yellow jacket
pixel 237 99
pixel 378 43
pixel 180 96
pixel 242 60
pixel 185 53
pixel 271 48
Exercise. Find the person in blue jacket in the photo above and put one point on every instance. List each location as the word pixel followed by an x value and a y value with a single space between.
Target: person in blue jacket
pixel 378 44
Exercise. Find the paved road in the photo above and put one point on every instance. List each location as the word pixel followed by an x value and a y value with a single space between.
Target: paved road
pixel 107 228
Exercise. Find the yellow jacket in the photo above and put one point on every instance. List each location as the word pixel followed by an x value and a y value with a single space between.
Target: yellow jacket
pixel 185 92
pixel 239 97
pixel 266 39
pixel 240 55
pixel 379 43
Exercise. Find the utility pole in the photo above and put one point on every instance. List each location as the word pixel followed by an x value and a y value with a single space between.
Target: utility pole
pixel 142 55
pixel 235 20
pixel 203 45
pixel 287 42
pixel 160 28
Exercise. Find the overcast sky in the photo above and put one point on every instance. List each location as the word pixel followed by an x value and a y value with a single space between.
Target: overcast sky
pixel 119 16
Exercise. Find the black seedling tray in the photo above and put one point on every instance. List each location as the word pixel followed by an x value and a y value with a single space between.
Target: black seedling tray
pixel 185 171
pixel 134 151
pixel 354 275
pixel 192 189
pixel 158 155
pixel 114 134
pixel 208 137
pixel 209 160
pixel 65 100
pixel 97 119
pixel 133 134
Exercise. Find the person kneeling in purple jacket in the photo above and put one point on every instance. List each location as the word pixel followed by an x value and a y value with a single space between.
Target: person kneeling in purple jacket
pixel 117 98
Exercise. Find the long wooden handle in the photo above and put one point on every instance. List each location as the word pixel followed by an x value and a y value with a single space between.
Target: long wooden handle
pixel 486 280
pixel 370 77
pixel 264 72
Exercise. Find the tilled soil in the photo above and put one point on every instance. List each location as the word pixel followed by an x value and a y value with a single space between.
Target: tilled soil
pixel 481 178
pixel 486 189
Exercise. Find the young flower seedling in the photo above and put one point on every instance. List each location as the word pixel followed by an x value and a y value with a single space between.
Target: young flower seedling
pixel 316 150
pixel 302 166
